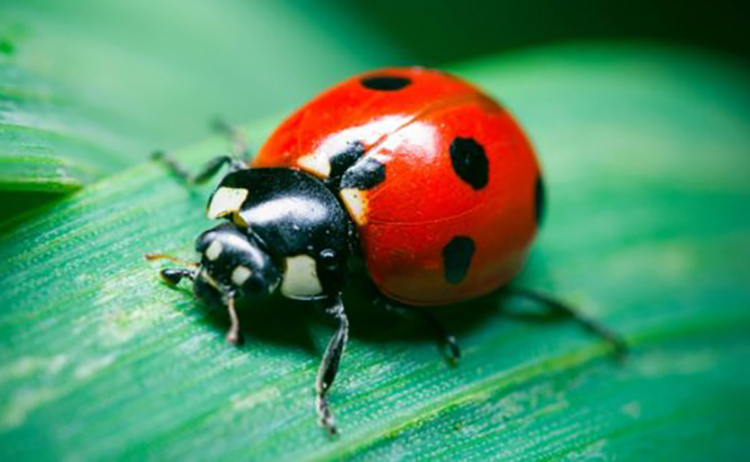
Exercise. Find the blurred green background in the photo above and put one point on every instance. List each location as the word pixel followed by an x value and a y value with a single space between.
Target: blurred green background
pixel 163 69
pixel 640 112
pixel 89 87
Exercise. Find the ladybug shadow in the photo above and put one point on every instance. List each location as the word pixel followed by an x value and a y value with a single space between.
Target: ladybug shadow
pixel 289 323
pixel 276 320
pixel 372 324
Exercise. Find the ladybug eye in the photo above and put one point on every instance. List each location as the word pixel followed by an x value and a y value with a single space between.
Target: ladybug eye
pixel 385 82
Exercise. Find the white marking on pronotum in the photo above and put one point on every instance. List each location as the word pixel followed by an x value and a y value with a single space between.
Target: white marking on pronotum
pixel 356 203
pixel 316 163
pixel 214 250
pixel 241 274
pixel 225 201
pixel 301 278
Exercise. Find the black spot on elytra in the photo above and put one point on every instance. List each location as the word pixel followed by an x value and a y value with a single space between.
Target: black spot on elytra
pixel 470 162
pixel 457 258
pixel 385 82
pixel 365 174
pixel 346 158
pixel 540 201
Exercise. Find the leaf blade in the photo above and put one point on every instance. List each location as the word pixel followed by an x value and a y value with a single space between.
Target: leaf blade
pixel 95 338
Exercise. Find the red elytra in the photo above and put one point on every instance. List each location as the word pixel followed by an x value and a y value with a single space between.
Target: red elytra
pixel 458 207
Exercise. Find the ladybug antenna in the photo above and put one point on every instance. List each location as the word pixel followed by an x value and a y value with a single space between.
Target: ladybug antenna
pixel 161 256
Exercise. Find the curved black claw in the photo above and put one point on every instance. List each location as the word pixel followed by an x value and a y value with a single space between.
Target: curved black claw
pixel 234 338
pixel 455 350
pixel 326 417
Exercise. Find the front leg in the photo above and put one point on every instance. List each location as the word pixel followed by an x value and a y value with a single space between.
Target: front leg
pixel 173 276
pixel 331 359
pixel 233 336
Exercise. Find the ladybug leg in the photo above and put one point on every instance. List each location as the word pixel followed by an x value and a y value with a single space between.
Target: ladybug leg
pixel 443 335
pixel 207 172
pixel 238 160
pixel 618 344
pixel 233 336
pixel 240 148
pixel 330 365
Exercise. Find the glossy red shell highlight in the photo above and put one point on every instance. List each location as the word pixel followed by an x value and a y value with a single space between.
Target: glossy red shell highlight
pixel 423 203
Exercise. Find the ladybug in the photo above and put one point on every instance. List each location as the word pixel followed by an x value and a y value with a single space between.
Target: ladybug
pixel 417 174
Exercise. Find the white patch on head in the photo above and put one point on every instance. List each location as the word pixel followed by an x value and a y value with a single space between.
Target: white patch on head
pixel 214 250
pixel 241 274
pixel 225 201
pixel 316 163
pixel 356 203
pixel 301 278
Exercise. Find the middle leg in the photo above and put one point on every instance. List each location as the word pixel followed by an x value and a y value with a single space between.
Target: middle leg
pixel 208 171
pixel 443 335
pixel 237 160
pixel 330 365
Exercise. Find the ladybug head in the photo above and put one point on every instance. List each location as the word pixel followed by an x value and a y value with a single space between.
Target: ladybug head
pixel 233 262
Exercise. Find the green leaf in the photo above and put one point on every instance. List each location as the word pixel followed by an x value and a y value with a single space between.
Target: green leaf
pixel 89 88
pixel 645 153
pixel 49 143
